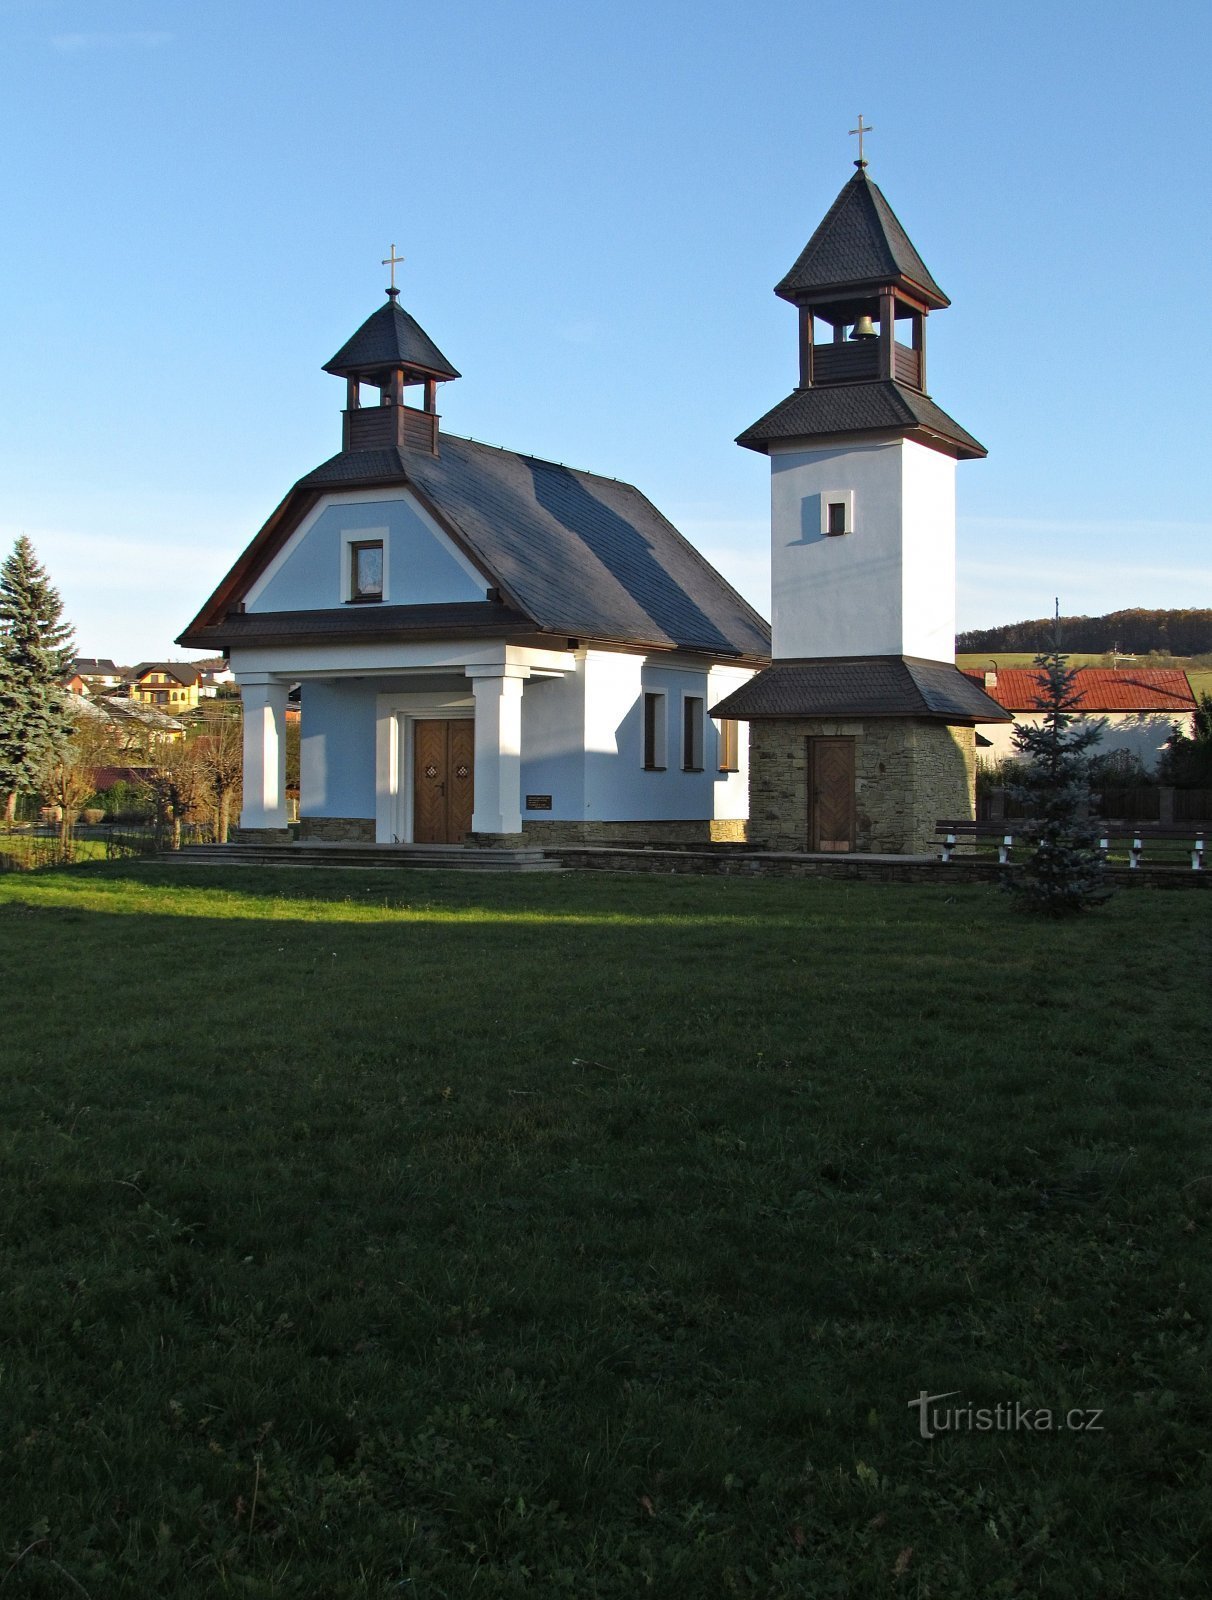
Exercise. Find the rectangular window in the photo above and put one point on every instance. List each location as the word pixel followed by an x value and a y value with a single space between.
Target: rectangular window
pixel 366 570
pixel 654 732
pixel 730 745
pixel 837 512
pixel 692 733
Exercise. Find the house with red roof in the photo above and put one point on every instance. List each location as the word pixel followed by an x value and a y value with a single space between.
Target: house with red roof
pixel 1140 706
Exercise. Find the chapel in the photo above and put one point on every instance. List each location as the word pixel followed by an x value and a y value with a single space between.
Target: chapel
pixel 491 648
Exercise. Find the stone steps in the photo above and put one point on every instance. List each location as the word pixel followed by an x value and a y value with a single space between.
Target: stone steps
pixel 368 857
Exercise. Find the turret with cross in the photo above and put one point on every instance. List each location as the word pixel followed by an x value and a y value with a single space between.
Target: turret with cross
pixel 392 353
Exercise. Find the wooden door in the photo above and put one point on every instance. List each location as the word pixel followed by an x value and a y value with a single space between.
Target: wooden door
pixel 831 794
pixel 443 760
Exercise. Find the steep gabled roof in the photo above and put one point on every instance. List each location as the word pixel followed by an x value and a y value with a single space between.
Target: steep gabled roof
pixel 1142 689
pixel 180 670
pixel 573 554
pixel 389 338
pixel 860 242
pixel 862 686
pixel 862 408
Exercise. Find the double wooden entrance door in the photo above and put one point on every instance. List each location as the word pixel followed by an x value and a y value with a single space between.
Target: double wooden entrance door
pixel 831 794
pixel 443 761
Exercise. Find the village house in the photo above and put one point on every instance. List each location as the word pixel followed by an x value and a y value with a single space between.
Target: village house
pixel 173 686
pixel 1141 706
pixel 89 675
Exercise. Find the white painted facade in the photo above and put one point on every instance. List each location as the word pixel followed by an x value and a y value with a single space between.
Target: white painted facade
pixel 887 586
pixel 565 725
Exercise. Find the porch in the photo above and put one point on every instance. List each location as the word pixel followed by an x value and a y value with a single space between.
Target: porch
pixel 423 752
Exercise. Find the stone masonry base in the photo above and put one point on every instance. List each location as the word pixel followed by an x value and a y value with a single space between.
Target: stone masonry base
pixel 540 832
pixel 704 830
pixel 907 774
pixel 338 830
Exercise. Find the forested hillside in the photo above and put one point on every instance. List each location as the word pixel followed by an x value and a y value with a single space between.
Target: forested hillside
pixel 1179 633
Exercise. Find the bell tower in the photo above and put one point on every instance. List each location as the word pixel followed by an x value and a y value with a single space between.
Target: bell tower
pixel 862 460
pixel 392 353
pixel 861 733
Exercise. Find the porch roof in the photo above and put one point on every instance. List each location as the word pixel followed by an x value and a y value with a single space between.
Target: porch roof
pixel 364 624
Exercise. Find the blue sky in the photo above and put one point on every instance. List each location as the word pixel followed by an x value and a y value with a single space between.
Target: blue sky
pixel 594 201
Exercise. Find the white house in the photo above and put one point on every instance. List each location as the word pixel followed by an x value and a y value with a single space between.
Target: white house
pixel 490 646
pixel 1139 705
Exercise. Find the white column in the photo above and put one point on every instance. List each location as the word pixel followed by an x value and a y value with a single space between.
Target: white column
pixel 498 760
pixel 264 701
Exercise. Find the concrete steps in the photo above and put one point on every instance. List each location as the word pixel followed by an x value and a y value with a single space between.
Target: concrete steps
pixel 445 858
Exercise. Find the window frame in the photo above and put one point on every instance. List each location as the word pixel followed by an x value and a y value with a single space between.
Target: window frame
pixel 357 595
pixel 694 707
pixel 353 540
pixel 729 757
pixel 654 727
pixel 837 497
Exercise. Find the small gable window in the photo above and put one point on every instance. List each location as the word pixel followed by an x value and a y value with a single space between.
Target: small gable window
pixel 366 569
pixel 654 733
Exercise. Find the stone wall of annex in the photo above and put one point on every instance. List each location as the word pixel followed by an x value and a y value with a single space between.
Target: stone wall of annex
pixel 907 775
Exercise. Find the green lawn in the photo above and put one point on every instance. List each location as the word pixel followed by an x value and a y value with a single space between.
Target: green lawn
pixel 403 1234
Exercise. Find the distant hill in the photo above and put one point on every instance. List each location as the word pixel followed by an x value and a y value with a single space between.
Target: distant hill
pixel 1176 633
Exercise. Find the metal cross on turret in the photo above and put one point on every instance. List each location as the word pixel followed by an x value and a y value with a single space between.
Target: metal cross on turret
pixel 860 130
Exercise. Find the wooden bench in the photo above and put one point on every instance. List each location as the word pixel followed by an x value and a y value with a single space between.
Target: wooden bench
pixel 1192 837
pixel 952 833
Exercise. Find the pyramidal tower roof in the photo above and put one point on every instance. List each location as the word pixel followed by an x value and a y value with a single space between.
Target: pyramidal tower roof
pixel 388 339
pixel 860 242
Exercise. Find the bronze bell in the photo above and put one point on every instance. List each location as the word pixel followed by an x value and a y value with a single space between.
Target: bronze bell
pixel 864 328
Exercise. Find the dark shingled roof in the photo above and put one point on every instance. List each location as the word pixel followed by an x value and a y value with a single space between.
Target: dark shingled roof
pixel 388 339
pixel 861 408
pixel 862 686
pixel 860 241
pixel 581 555
pixel 574 554
pixel 368 624
pixel 182 671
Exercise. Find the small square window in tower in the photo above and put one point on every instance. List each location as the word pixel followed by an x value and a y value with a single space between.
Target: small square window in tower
pixel 837 512
pixel 366 570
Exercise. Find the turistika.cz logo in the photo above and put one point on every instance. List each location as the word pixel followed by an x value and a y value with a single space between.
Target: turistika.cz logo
pixel 1008 1416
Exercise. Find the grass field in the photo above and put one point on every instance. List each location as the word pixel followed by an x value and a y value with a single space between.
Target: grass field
pixel 370 1235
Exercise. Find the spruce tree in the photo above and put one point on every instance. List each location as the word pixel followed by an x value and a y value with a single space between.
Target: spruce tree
pixel 35 653
pixel 1064 873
